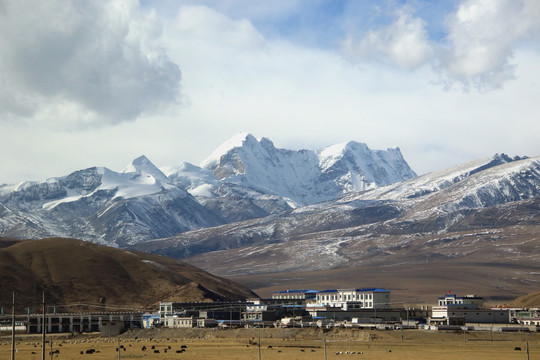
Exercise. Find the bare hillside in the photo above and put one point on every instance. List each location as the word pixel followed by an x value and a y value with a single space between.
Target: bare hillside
pixel 529 300
pixel 73 272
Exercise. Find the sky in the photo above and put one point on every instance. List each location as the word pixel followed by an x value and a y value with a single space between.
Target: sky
pixel 99 83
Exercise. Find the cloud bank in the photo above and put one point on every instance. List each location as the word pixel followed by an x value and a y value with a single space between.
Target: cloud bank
pixel 82 63
pixel 476 52
pixel 86 83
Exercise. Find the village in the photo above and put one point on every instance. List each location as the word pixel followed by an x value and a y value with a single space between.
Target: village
pixel 364 308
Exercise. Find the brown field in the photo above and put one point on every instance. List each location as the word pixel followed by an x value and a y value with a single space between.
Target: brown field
pixel 413 284
pixel 280 344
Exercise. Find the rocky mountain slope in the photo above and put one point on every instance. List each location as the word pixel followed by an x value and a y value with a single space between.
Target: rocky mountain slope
pixel 405 222
pixel 243 179
pixel 73 272
pixel 472 228
pixel 100 205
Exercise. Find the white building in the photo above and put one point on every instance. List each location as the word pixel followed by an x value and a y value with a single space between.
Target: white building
pixel 351 299
pixel 455 310
pixel 180 322
pixel 303 294
pixel 165 309
pixel 452 299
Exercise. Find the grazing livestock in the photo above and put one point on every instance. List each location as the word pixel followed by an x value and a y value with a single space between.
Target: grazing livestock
pixel 517 348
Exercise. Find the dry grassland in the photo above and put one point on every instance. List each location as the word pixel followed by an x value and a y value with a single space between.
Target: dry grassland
pixel 289 344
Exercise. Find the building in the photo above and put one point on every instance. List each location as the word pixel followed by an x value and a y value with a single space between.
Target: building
pixel 206 323
pixel 455 310
pixel 180 322
pixel 186 309
pixel 359 316
pixel 150 320
pixel 450 299
pixel 353 299
pixel 295 294
pixel 85 322
pixel 529 316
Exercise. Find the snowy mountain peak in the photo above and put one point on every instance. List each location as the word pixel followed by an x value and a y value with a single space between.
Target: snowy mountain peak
pixel 237 141
pixel 143 166
pixel 305 176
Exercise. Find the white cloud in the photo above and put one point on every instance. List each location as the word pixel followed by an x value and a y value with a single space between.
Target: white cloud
pixel 483 36
pixel 476 51
pixel 404 43
pixel 235 78
pixel 74 63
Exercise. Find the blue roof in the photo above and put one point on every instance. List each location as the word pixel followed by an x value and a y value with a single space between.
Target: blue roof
pixel 296 291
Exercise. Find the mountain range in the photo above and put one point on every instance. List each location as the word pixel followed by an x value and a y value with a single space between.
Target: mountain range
pixel 272 218
pixel 244 178
pixel 483 215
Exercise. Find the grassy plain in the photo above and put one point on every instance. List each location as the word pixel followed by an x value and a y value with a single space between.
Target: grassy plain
pixel 287 344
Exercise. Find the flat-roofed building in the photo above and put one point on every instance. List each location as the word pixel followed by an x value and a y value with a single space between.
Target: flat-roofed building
pixel 180 322
pixel 353 299
pixel 302 294
pixel 451 299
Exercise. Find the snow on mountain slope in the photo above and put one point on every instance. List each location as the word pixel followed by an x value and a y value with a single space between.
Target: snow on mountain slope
pixel 361 168
pixel 431 182
pixel 305 176
pixel 513 181
pixel 102 205
pixel 430 204
pixel 139 178
pixel 197 181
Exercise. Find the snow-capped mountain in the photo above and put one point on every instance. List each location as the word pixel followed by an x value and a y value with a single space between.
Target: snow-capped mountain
pixel 102 205
pixel 244 178
pixel 301 177
pixel 474 201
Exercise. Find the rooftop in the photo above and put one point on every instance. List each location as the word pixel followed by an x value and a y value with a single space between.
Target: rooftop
pixel 296 291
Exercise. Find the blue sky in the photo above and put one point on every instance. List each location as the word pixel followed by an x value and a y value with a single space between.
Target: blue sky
pixel 102 82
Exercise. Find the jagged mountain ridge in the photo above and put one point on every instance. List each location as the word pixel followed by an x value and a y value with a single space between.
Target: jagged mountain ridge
pixel 479 196
pixel 306 177
pixel 244 178
pixel 100 205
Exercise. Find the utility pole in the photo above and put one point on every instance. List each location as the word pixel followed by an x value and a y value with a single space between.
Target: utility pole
pixel 324 342
pixel 13 329
pixel 43 329
pixel 259 344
